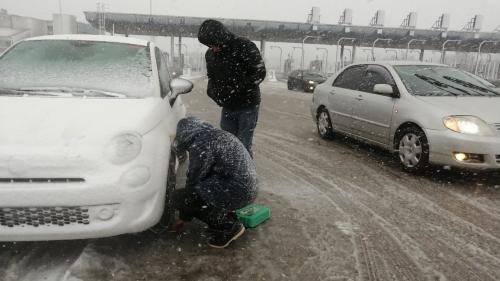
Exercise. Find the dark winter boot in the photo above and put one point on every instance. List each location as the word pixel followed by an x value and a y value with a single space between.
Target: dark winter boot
pixel 222 239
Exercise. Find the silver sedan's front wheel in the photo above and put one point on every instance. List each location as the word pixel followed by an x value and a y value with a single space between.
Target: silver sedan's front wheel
pixel 324 124
pixel 413 149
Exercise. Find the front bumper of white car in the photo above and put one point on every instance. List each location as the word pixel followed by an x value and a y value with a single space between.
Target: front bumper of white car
pixel 59 196
pixel 481 153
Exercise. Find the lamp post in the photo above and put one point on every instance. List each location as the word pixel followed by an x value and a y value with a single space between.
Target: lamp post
pixel 478 58
pixel 303 42
pixel 343 60
pixel 293 50
pixel 368 53
pixel 393 51
pixel 375 42
pixel 409 43
pixel 342 54
pixel 180 54
pixel 443 49
pixel 325 54
pixel 281 53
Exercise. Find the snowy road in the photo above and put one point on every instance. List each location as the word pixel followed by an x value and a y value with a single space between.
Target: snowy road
pixel 342 210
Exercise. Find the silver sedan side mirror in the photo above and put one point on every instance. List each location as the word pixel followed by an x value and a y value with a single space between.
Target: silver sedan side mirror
pixel 384 89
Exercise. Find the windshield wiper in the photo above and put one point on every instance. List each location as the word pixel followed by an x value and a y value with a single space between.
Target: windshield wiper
pixel 22 92
pixel 98 93
pixel 476 88
pixel 441 85
pixel 76 92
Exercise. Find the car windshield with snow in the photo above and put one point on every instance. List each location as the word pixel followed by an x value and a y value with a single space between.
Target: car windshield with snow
pixel 77 68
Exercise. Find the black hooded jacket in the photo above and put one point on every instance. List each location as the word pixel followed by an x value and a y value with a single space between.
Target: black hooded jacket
pixel 235 72
pixel 220 169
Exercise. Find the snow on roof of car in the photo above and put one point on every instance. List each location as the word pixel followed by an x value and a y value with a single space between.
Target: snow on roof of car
pixel 85 37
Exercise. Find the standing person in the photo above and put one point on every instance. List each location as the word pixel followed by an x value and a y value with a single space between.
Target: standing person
pixel 235 69
pixel 221 178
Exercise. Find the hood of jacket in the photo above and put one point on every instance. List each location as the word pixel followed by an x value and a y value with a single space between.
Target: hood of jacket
pixel 188 129
pixel 214 33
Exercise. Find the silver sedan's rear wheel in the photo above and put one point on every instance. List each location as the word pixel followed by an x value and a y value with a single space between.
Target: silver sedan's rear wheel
pixel 324 124
pixel 413 149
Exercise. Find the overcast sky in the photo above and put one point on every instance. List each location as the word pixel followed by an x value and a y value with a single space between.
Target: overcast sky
pixel 461 11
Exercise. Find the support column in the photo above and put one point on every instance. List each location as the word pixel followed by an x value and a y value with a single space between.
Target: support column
pixel 172 46
pixel 181 57
pixel 263 49
pixel 353 55
pixel 341 57
pixel 421 57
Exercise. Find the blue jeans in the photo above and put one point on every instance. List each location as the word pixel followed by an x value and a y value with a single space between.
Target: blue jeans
pixel 241 123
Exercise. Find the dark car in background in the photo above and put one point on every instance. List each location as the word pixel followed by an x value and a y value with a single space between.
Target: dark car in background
pixel 304 80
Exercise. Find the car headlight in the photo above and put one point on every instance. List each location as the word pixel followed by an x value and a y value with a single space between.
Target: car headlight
pixel 311 82
pixel 123 148
pixel 470 125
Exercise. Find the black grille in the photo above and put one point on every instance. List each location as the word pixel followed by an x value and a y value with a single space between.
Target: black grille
pixel 48 216
pixel 498 158
pixel 497 126
pixel 40 180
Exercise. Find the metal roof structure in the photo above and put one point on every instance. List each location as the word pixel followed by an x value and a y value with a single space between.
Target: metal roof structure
pixel 293 32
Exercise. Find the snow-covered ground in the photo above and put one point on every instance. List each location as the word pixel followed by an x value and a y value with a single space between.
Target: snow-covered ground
pixel 342 210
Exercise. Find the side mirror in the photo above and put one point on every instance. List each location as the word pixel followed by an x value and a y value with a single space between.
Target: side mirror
pixel 384 89
pixel 179 86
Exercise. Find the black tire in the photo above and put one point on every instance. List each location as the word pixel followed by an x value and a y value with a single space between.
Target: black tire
pixel 324 124
pixel 413 149
pixel 168 217
pixel 289 84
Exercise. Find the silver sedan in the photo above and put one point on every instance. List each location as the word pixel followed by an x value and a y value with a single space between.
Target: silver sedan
pixel 426 113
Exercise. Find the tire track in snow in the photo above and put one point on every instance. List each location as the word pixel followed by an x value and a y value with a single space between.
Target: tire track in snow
pixel 295 160
pixel 402 265
pixel 486 257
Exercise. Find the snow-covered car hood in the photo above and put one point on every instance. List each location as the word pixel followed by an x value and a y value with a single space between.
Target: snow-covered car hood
pixel 43 121
pixel 486 108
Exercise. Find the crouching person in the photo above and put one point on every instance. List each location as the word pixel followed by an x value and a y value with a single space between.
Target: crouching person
pixel 221 178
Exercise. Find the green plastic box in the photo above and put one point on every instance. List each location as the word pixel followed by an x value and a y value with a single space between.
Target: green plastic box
pixel 252 215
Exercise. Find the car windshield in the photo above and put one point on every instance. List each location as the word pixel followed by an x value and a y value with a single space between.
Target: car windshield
pixel 88 68
pixel 430 80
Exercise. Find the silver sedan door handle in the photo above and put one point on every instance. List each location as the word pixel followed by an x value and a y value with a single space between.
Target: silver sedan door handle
pixel 360 98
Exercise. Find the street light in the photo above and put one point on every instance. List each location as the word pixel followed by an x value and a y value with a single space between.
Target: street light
pixel 303 42
pixel 368 53
pixel 409 43
pixel 350 56
pixel 185 54
pixel 392 51
pixel 375 42
pixel 293 50
pixel 281 53
pixel 479 53
pixel 337 52
pixel 325 54
pixel 443 49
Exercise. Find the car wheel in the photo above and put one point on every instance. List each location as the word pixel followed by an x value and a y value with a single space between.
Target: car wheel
pixel 324 124
pixel 413 149
pixel 290 86
pixel 168 217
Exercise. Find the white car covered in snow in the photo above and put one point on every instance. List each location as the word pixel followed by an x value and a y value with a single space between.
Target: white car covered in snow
pixel 86 128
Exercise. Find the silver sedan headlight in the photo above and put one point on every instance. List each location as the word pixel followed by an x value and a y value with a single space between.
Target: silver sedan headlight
pixel 470 125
